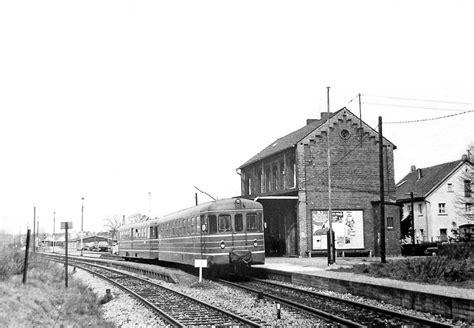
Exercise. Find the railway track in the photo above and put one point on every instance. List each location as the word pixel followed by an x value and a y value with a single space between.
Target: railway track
pixel 355 314
pixel 175 308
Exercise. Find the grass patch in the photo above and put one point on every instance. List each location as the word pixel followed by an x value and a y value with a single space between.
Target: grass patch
pixel 440 270
pixel 44 301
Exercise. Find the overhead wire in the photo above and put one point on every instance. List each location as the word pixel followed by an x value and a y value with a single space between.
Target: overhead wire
pixel 409 106
pixel 429 119
pixel 419 99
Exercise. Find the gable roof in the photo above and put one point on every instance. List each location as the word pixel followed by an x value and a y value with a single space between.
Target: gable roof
pixel 431 177
pixel 288 141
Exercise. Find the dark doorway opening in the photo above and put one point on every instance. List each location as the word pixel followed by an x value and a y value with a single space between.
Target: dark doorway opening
pixel 281 228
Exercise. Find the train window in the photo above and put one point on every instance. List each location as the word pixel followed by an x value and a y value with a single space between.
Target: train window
pixel 193 225
pixel 260 221
pixel 238 222
pixel 212 223
pixel 204 224
pixel 252 222
pixel 198 224
pixel 224 222
pixel 152 232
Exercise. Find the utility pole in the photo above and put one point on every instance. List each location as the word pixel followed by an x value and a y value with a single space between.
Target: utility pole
pixel 149 205
pixel 360 120
pixel 54 231
pixel 412 212
pixel 382 196
pixel 34 229
pixel 330 236
pixel 82 225
pixel 25 268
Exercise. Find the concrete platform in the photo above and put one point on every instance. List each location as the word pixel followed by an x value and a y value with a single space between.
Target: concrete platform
pixel 451 302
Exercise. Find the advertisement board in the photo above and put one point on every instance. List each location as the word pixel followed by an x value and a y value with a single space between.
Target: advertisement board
pixel 348 227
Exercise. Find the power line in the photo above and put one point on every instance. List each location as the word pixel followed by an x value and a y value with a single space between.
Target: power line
pixel 408 106
pixel 418 99
pixel 429 119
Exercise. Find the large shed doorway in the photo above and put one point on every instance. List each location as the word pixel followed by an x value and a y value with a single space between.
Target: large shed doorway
pixel 281 227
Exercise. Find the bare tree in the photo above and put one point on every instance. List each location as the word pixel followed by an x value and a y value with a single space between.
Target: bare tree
pixel 463 206
pixel 137 217
pixel 112 224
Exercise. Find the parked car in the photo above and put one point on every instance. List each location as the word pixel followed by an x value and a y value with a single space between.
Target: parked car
pixel 433 251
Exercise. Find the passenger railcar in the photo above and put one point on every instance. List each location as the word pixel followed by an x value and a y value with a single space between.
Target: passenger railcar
pixel 225 232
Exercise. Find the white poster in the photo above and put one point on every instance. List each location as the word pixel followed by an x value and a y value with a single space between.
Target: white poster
pixel 348 227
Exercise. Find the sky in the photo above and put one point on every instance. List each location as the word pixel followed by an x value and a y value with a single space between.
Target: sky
pixel 114 100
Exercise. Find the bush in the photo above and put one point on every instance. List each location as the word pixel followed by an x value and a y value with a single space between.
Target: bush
pixel 434 270
pixel 12 263
pixel 459 250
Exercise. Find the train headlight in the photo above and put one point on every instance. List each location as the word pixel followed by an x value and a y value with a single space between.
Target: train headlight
pixel 222 244
pixel 255 243
pixel 238 203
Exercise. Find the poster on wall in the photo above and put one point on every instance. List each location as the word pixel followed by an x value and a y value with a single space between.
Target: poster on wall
pixel 348 227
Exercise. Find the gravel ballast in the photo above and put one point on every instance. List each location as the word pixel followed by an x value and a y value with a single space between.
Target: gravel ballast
pixel 124 311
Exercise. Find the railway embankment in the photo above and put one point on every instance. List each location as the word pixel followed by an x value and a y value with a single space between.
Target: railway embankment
pixel 44 301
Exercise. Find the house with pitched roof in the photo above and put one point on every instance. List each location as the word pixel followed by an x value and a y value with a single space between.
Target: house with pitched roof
pixel 442 200
pixel 290 179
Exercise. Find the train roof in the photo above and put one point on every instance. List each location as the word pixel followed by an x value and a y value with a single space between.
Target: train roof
pixel 217 205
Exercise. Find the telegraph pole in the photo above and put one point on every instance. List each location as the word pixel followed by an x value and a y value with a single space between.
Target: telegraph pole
pixel 54 231
pixel 382 197
pixel 331 247
pixel 34 229
pixel 82 225
pixel 412 219
pixel 149 205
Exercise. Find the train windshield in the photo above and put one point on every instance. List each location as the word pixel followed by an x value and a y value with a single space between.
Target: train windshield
pixel 253 223
pixel 238 223
pixel 224 222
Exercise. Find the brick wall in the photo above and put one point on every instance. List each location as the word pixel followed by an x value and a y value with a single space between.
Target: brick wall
pixel 354 175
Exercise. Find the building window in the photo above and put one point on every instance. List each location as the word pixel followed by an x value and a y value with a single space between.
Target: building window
pixel 450 187
pixel 389 223
pixel 420 208
pixel 259 180
pixel 467 188
pixel 281 175
pixel 274 177
pixel 441 208
pixel 468 207
pixel 443 234
pixel 292 173
pixel 268 175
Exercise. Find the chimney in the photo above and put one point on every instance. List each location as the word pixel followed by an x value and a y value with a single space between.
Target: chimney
pixel 464 157
pixel 419 174
pixel 324 115
pixel 413 168
pixel 311 120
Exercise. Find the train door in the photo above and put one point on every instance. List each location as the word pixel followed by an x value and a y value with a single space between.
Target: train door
pixel 153 241
pixel 238 226
pixel 224 226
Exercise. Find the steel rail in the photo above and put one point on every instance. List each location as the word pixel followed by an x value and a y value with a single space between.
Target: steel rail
pixel 247 322
pixel 323 314
pixel 376 309
pixel 396 314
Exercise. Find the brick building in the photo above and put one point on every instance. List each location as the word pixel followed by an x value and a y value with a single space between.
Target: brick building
pixel 289 177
